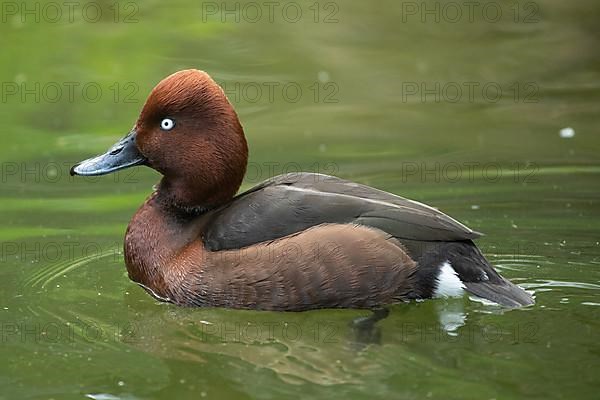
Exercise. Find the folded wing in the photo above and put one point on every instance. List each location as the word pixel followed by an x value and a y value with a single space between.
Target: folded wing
pixel 291 203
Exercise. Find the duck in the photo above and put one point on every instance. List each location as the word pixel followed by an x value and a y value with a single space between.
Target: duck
pixel 295 242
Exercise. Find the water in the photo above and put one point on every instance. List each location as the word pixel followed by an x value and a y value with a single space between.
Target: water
pixel 345 96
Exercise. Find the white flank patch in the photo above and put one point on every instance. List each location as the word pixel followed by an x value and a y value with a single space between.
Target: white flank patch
pixel 448 282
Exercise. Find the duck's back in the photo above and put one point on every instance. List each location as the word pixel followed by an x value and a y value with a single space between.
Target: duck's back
pixel 293 202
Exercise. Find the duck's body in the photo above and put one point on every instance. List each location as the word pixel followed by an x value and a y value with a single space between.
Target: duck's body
pixel 295 242
pixel 305 241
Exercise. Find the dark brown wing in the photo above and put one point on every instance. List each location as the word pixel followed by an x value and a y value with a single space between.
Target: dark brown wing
pixel 292 203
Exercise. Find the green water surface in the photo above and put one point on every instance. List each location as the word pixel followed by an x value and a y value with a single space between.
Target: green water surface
pixel 461 111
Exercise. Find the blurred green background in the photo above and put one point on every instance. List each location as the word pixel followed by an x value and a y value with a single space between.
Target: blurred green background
pixel 488 111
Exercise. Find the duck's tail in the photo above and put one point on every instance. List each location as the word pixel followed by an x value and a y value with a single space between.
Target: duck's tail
pixel 446 268
pixel 481 279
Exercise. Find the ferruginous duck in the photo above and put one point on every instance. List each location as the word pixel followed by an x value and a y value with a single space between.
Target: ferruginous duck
pixel 295 242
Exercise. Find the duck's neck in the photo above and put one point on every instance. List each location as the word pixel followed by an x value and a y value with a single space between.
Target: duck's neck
pixel 156 235
pixel 198 191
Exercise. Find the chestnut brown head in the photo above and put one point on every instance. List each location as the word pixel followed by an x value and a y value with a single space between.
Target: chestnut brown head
pixel 189 132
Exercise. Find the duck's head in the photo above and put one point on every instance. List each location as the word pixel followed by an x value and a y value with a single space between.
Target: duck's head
pixel 189 132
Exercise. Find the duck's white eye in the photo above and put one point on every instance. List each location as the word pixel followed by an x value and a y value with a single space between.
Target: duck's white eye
pixel 167 124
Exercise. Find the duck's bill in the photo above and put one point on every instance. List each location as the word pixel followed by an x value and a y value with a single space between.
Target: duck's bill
pixel 123 154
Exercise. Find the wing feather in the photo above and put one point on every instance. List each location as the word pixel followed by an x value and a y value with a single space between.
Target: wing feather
pixel 294 202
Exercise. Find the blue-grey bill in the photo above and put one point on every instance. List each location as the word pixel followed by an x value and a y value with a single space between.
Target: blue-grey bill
pixel 123 154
